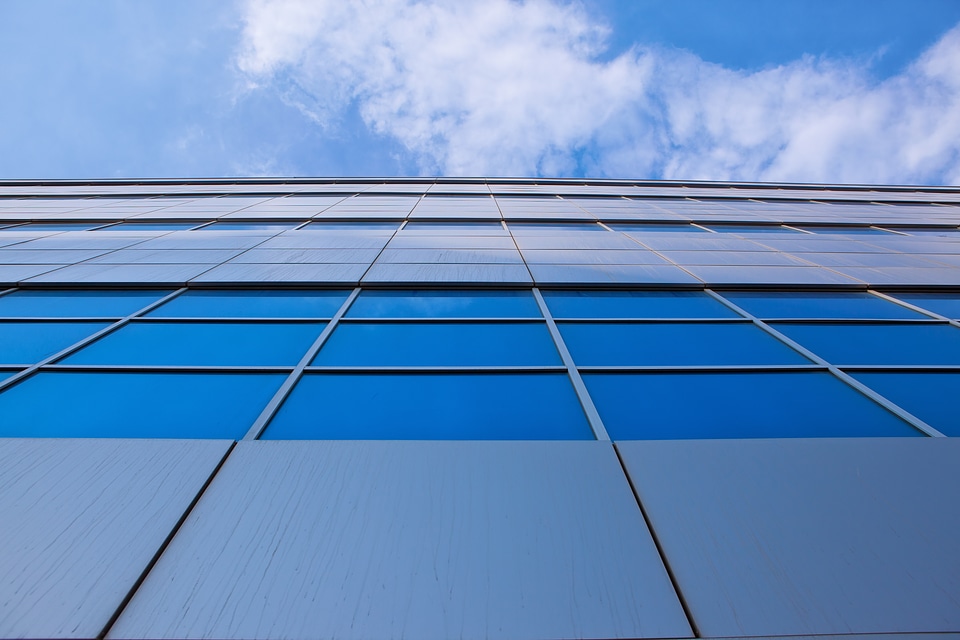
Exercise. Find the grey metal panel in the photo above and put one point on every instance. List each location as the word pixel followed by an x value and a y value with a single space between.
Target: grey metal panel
pixel 477 256
pixel 123 273
pixel 779 537
pixel 81 521
pixel 167 256
pixel 335 539
pixel 623 273
pixel 47 256
pixel 416 273
pixel 592 256
pixel 743 258
pixel 289 273
pixel 307 256
pixel 732 275
pixel 13 273
pixel 904 275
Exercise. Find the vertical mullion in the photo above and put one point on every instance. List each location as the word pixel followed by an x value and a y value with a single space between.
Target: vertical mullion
pixel 271 409
pixel 842 375
pixel 593 417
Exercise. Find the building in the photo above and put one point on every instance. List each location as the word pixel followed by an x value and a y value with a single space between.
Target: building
pixel 478 409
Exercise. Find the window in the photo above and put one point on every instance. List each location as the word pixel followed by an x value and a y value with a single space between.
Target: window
pixel 253 304
pixel 444 304
pixel 635 304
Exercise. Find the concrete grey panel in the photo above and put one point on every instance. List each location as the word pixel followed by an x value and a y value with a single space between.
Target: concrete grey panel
pixel 335 539
pixel 173 274
pixel 780 537
pixel 81 521
pixel 420 273
pixel 234 272
pixel 615 273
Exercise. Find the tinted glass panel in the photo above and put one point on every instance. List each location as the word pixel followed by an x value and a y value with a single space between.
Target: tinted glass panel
pixel 208 343
pixel 431 407
pixel 135 405
pixel 550 228
pixel 674 344
pixel 930 231
pixel 648 406
pixel 847 231
pixel 84 304
pixel 253 304
pixel 479 227
pixel 439 344
pixel 31 342
pixel 59 226
pixel 353 226
pixel 932 397
pixel 818 305
pixel 445 304
pixel 635 304
pixel 945 304
pixel 878 343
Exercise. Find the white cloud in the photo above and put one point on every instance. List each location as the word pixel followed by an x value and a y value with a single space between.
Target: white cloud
pixel 501 87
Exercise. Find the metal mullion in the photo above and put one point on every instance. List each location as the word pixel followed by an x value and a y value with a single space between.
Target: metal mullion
pixel 586 402
pixel 914 307
pixel 7 291
pixel 706 368
pixel 891 321
pixel 205 320
pixel 89 339
pixel 110 319
pixel 653 320
pixel 176 368
pixel 437 369
pixel 901 367
pixel 835 370
pixel 271 409
pixel 434 320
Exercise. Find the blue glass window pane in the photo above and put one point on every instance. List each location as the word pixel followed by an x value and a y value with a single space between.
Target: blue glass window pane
pixel 438 344
pixel 249 226
pixel 951 232
pixel 635 304
pixel 812 304
pixel 151 226
pixel 944 304
pixel 135 405
pixel 431 407
pixel 59 226
pixel 82 304
pixel 444 304
pixel 31 342
pixel 675 344
pixel 678 406
pixel 932 397
pixel 552 228
pixel 878 343
pixel 630 227
pixel 207 343
pixel 253 304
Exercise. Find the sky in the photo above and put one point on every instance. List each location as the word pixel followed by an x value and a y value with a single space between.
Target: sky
pixel 829 91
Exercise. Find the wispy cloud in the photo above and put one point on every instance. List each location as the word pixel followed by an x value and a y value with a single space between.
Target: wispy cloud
pixel 500 87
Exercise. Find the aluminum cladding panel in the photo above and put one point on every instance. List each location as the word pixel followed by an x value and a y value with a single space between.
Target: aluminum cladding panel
pixel 818 536
pixel 417 539
pixel 81 521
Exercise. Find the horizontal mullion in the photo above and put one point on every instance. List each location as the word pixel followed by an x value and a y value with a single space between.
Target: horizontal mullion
pixel 775 321
pixel 899 367
pixel 439 369
pixel 695 368
pixel 435 320
pixel 148 368
pixel 652 320
pixel 206 319
pixel 110 319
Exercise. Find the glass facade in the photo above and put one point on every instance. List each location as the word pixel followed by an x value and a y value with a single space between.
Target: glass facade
pixel 444 385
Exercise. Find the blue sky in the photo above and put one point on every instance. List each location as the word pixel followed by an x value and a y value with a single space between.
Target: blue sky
pixel 819 91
